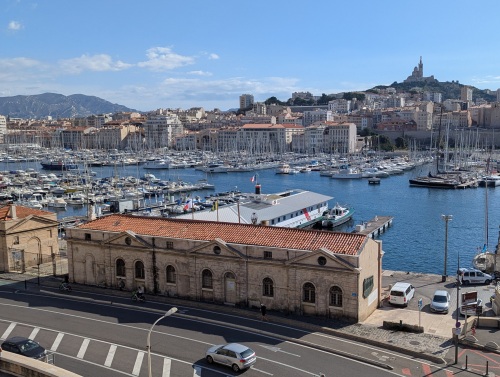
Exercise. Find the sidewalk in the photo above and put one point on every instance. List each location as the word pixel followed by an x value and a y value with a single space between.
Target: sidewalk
pixel 433 345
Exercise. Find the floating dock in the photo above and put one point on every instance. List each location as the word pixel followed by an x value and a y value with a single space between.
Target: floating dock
pixel 375 227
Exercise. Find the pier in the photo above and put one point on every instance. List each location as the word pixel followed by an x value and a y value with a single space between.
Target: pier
pixel 375 227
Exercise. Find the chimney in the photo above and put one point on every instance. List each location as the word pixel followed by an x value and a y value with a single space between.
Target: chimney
pixel 13 212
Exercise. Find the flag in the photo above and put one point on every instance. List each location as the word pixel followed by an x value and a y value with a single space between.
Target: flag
pixel 253 179
pixel 189 204
pixel 215 206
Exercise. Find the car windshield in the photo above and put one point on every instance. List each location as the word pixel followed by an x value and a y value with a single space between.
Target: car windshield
pixel 28 346
pixel 439 299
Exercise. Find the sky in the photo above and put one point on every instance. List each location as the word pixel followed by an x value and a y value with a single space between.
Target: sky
pixel 188 53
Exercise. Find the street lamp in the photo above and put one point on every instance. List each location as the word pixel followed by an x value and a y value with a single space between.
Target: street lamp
pixel 446 218
pixel 170 312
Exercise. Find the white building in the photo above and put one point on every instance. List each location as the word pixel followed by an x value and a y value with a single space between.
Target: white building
pixel 318 115
pixel 3 128
pixel 340 106
pixel 160 130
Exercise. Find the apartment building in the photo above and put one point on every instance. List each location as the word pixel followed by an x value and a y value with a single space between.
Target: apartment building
pixel 160 130
pixel 3 128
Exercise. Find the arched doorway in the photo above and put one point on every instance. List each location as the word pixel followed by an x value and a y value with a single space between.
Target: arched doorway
pixel 230 288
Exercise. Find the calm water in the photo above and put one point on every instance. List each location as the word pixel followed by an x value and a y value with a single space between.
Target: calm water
pixel 415 242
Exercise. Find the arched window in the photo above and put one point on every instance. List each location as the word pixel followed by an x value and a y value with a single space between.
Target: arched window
pixel 120 267
pixel 171 276
pixel 336 296
pixel 139 270
pixel 206 279
pixel 309 293
pixel 268 287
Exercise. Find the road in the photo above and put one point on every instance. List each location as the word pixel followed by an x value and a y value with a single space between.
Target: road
pixel 104 335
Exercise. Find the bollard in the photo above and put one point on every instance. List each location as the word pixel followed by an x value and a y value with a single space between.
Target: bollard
pixel 25 284
pixel 466 361
pixel 486 368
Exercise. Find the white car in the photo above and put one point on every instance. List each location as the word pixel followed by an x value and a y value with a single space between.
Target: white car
pixel 234 355
pixel 472 276
pixel 401 294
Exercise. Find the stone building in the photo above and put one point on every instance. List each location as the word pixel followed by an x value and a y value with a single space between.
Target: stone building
pixel 28 237
pixel 292 270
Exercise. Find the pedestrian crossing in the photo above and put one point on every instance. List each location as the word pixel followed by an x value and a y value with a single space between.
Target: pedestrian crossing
pixel 128 361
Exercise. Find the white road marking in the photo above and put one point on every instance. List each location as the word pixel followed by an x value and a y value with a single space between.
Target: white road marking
pixel 56 343
pixel 83 348
pixel 262 371
pixel 33 333
pixel 138 363
pixel 277 349
pixel 111 355
pixel 196 371
pixel 167 364
pixel 9 330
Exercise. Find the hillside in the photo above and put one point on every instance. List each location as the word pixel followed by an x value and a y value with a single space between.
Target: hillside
pixel 56 106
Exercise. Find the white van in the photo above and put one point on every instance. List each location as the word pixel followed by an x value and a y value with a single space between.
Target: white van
pixel 401 294
pixel 472 276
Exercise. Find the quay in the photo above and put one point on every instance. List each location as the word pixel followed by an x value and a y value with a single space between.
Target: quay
pixel 375 227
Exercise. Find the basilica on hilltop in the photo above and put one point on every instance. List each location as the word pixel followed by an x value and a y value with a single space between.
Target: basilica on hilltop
pixel 418 74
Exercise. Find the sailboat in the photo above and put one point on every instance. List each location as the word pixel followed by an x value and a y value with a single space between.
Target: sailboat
pixel 485 260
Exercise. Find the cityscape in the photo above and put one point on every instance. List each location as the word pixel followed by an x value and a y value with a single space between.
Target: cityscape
pixel 196 189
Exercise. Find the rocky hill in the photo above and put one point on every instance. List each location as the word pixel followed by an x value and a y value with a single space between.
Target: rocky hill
pixel 56 106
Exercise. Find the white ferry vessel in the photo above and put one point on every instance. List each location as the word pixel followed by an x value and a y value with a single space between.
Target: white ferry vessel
pixel 290 209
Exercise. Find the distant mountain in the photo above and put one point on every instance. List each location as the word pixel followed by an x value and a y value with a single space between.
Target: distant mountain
pixel 57 106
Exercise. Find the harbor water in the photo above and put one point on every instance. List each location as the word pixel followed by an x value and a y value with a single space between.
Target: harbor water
pixel 416 240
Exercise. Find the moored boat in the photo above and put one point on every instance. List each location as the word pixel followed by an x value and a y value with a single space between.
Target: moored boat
pixel 336 216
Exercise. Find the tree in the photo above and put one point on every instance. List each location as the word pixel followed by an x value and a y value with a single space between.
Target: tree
pixel 401 143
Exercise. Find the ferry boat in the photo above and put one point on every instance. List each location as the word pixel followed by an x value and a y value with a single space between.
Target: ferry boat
pixel 289 209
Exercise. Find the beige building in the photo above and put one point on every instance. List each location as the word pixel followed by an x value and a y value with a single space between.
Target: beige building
pixel 28 237
pixel 292 270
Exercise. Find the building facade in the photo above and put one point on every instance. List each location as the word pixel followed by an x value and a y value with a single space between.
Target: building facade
pixel 28 237
pixel 292 270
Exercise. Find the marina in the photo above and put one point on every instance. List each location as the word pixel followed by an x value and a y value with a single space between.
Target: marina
pixel 415 241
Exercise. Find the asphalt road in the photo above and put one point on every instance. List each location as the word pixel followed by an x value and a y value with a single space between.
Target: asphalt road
pixel 104 335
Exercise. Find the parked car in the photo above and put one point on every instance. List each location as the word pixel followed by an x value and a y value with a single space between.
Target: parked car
pixel 24 346
pixel 235 355
pixel 440 301
pixel 472 276
pixel 401 294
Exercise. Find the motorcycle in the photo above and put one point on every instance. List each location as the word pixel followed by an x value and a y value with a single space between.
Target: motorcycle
pixel 65 287
pixel 138 297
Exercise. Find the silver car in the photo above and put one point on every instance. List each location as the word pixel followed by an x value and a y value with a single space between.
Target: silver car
pixel 440 302
pixel 235 355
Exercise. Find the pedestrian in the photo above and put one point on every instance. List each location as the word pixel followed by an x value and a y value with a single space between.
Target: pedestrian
pixel 263 311
pixel 121 284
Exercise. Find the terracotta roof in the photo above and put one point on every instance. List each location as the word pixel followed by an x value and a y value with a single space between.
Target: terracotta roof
pixel 290 238
pixel 21 212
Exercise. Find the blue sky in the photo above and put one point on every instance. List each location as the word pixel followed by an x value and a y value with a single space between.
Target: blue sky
pixel 167 54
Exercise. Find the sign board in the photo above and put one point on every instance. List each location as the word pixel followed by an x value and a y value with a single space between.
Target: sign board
pixel 479 310
pixel 469 297
pixel 457 331
pixel 420 303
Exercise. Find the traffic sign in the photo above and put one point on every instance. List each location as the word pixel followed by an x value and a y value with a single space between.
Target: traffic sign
pixel 420 303
pixel 457 325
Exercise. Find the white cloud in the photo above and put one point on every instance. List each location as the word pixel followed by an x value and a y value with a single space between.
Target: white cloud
pixel 200 73
pixel 162 59
pixel 99 63
pixel 213 56
pixel 15 26
pixel 19 69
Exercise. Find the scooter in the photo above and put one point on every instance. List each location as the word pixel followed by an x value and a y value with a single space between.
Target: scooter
pixel 138 297
pixel 65 287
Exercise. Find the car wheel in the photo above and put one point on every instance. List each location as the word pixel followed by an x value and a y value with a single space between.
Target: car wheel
pixel 236 368
pixel 210 360
pixel 466 282
pixel 487 282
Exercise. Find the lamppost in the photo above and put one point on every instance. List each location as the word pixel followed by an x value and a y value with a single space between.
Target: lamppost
pixel 170 312
pixel 446 218
pixel 457 324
